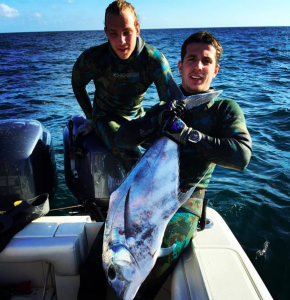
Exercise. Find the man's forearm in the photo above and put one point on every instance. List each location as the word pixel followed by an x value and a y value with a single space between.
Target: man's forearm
pixel 135 132
pixel 233 153
pixel 83 99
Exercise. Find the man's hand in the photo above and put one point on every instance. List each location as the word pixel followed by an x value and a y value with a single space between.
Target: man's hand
pixel 169 110
pixel 176 130
pixel 178 107
pixel 84 129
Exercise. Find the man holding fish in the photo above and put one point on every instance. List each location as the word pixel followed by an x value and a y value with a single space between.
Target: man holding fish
pixel 211 133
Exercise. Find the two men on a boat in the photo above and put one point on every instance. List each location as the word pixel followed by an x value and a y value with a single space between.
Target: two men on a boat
pixel 211 134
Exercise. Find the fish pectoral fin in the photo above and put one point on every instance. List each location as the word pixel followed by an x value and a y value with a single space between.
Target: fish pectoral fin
pixel 128 223
pixel 166 251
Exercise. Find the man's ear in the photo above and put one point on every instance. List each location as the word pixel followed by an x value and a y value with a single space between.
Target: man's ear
pixel 137 30
pixel 180 67
pixel 105 29
pixel 216 70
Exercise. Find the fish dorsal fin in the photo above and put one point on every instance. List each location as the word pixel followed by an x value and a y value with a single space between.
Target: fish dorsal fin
pixel 166 251
pixel 128 225
pixel 174 89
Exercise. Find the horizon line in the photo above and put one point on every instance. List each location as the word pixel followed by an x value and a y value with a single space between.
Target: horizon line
pixel 74 30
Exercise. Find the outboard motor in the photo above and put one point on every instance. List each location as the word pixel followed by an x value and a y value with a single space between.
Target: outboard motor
pixel 27 162
pixel 92 172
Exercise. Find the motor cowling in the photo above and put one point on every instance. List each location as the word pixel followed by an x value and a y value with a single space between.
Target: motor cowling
pixel 27 162
pixel 92 172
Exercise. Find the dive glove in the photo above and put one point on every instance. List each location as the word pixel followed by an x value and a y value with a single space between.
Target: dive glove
pixel 85 128
pixel 169 110
pixel 177 130
pixel 178 107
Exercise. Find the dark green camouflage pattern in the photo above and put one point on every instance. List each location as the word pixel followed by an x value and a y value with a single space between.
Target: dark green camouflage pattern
pixel 106 129
pixel 194 206
pixel 226 142
pixel 120 84
pixel 120 89
pixel 220 119
pixel 181 229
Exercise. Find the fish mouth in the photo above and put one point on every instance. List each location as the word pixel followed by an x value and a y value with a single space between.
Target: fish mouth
pixel 121 273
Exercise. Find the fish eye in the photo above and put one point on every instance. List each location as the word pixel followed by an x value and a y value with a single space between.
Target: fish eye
pixel 112 272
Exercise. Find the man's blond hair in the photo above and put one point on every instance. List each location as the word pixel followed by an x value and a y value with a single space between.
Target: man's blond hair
pixel 119 7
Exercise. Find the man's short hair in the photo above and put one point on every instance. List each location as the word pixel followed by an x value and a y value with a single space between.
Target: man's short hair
pixel 205 38
pixel 118 7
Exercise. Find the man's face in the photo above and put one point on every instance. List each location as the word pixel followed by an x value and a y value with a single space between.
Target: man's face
pixel 122 33
pixel 198 67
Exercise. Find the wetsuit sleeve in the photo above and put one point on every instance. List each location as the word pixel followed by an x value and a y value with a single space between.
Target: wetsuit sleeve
pixel 160 71
pixel 135 132
pixel 232 148
pixel 81 76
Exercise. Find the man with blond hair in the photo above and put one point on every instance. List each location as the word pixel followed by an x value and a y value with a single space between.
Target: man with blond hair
pixel 122 70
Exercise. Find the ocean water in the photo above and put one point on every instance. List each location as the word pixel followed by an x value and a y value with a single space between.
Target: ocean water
pixel 35 83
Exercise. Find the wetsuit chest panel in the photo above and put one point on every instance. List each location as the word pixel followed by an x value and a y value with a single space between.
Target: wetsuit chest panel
pixel 121 88
pixel 204 120
pixel 116 76
pixel 193 163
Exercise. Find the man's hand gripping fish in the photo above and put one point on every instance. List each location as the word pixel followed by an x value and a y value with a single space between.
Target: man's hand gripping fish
pixel 139 211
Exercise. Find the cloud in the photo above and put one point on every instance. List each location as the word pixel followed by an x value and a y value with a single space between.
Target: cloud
pixel 55 8
pixel 38 15
pixel 8 12
pixel 70 1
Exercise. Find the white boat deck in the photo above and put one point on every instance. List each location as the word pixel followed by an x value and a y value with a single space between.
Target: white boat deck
pixel 213 267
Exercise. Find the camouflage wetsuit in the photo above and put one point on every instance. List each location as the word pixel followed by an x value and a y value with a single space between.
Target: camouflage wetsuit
pixel 120 88
pixel 226 142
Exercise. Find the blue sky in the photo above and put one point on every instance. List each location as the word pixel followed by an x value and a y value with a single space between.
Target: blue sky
pixel 61 15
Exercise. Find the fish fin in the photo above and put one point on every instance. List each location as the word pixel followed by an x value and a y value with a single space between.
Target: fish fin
pixel 127 220
pixel 174 89
pixel 183 197
pixel 166 251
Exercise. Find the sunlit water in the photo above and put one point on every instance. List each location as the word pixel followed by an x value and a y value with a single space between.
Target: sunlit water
pixel 35 83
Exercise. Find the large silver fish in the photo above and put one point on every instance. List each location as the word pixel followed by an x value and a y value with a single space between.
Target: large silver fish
pixel 139 212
